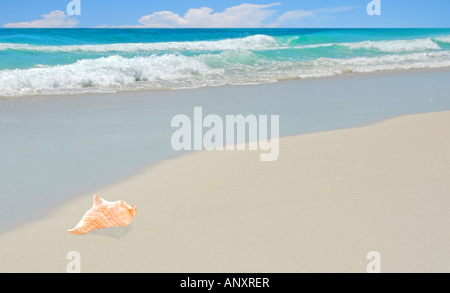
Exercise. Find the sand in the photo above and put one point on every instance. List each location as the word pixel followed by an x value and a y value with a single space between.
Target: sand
pixel 331 198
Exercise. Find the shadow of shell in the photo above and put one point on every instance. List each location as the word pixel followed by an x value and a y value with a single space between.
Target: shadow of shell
pixel 112 232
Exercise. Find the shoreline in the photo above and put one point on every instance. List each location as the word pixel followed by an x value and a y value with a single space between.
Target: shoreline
pixel 321 209
pixel 378 73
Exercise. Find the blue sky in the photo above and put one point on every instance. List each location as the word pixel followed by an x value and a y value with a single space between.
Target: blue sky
pixel 225 13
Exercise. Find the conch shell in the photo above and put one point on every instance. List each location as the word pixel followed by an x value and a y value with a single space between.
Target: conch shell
pixel 105 214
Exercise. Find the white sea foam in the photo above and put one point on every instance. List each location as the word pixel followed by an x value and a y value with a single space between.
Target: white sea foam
pixel 395 46
pixel 327 66
pixel 113 72
pixel 176 71
pixel 255 42
pixel 445 39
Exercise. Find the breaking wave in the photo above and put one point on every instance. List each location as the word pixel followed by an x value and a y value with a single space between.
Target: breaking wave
pixel 260 58
pixel 170 71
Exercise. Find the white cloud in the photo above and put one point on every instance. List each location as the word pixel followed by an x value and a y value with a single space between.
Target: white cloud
pixel 244 15
pixel 295 15
pixel 332 10
pixel 55 19
pixel 293 18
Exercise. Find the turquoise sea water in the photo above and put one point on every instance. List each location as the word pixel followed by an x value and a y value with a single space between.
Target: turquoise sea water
pixel 65 61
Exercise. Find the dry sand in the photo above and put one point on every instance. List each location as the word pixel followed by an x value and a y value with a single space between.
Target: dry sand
pixel 330 199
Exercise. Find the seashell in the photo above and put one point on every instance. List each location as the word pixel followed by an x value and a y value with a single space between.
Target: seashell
pixel 105 214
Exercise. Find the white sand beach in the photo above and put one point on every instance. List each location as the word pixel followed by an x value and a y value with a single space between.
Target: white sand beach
pixel 330 199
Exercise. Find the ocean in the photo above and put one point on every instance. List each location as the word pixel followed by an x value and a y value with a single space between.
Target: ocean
pixel 72 61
